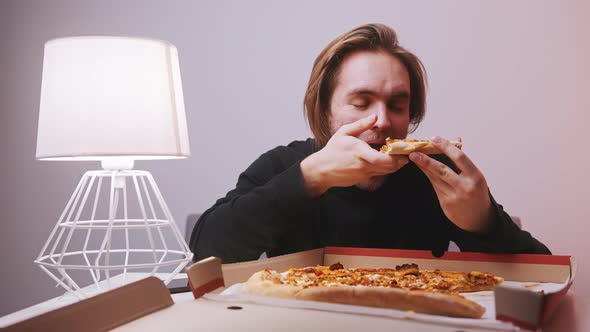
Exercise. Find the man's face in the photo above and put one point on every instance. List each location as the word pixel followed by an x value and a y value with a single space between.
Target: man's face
pixel 372 83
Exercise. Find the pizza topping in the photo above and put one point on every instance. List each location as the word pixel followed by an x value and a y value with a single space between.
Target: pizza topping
pixel 407 269
pixel 336 266
pixel 406 276
pixel 406 266
pixel 443 285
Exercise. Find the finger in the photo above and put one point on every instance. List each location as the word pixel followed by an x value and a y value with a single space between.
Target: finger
pixel 441 187
pixel 374 164
pixel 375 161
pixel 357 127
pixel 435 169
pixel 392 166
pixel 459 158
pixel 370 170
pixel 401 160
pixel 385 161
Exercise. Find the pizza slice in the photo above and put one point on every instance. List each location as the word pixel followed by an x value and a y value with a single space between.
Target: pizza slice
pixel 406 146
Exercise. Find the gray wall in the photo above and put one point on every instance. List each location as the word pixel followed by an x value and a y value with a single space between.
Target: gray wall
pixel 511 78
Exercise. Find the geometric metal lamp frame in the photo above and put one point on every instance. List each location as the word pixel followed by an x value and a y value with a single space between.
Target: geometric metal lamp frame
pixel 81 241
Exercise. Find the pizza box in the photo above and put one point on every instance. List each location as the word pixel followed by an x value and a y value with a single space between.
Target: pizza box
pixel 146 305
pixel 533 288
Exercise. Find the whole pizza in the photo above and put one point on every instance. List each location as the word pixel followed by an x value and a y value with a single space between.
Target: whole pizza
pixel 404 287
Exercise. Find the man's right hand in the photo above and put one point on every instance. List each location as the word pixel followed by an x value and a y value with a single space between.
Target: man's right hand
pixel 347 160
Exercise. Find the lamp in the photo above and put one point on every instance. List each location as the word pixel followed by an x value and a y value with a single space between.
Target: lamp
pixel 113 100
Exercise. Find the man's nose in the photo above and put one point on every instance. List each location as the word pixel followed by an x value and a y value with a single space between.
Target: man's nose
pixel 382 122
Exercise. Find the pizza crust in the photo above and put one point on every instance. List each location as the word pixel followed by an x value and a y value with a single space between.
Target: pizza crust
pixel 395 298
pixel 382 297
pixel 258 285
pixel 407 146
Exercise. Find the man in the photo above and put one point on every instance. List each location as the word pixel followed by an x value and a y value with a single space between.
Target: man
pixel 339 190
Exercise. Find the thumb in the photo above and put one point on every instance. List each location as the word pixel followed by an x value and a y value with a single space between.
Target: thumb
pixel 357 127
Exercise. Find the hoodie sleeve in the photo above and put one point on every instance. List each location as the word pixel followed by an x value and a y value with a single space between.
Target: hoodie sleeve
pixel 504 237
pixel 251 218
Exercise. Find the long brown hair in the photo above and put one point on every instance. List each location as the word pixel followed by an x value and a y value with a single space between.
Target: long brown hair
pixel 369 37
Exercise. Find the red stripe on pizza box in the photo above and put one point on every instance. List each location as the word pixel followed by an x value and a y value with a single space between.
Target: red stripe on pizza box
pixel 552 301
pixel 517 322
pixel 461 256
pixel 206 288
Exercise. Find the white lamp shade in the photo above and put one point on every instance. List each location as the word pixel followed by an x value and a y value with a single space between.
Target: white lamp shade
pixel 110 97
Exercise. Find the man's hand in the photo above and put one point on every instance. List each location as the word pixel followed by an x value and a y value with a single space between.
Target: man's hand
pixel 347 160
pixel 463 197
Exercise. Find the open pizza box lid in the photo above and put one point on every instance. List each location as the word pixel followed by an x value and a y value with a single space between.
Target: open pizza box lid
pixel 146 305
pixel 534 286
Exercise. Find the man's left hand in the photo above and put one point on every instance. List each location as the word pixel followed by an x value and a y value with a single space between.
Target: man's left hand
pixel 463 196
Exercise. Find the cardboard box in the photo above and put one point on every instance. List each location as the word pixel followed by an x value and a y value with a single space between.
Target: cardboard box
pixel 521 306
pixel 146 305
pixel 102 312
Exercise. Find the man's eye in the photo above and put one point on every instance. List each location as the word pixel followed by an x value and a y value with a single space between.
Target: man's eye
pixel 360 104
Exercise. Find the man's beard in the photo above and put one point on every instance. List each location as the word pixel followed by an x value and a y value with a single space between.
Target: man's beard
pixel 372 184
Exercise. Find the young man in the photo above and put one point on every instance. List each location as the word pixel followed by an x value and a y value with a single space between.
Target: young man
pixel 339 190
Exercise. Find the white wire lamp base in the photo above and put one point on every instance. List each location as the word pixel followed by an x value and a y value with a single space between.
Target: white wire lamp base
pixel 134 233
